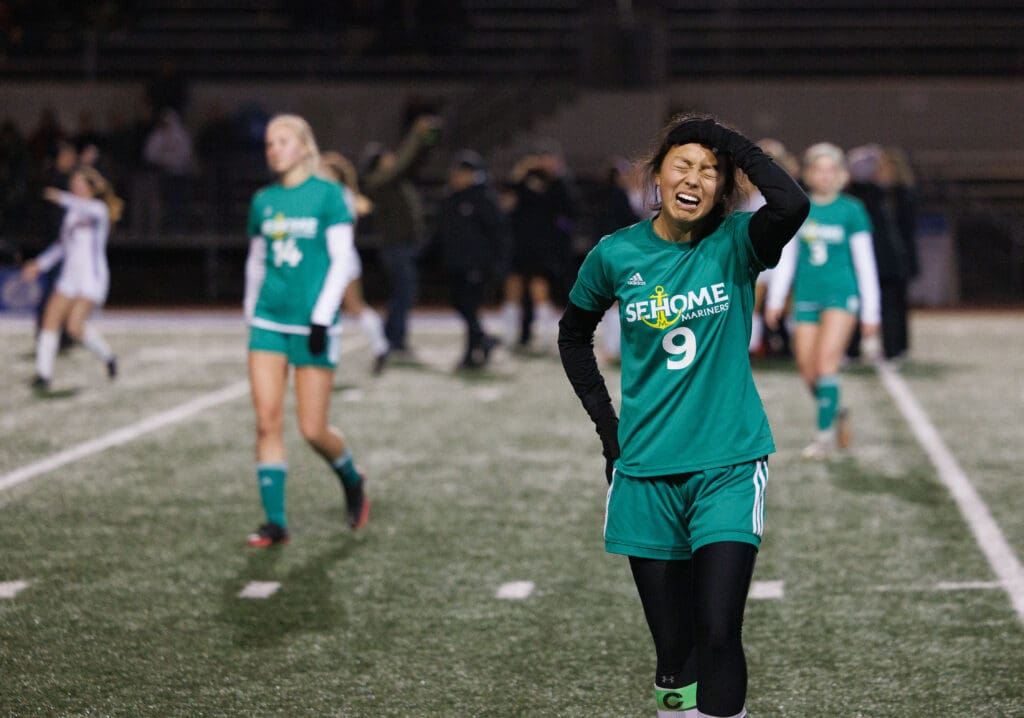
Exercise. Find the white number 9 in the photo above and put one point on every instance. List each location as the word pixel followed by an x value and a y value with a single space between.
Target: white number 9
pixel 683 354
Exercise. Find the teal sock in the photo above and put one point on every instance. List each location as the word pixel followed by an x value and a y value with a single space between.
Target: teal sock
pixel 826 391
pixel 346 470
pixel 271 479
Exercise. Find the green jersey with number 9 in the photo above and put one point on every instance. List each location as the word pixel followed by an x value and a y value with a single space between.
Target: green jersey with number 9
pixel 293 222
pixel 825 264
pixel 688 396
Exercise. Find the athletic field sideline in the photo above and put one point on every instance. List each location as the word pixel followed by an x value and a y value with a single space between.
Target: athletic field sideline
pixel 889 582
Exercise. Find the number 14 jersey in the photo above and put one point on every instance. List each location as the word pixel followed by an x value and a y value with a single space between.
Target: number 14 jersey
pixel 293 222
pixel 688 397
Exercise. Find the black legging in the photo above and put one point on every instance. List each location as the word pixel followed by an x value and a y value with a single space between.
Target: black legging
pixel 695 612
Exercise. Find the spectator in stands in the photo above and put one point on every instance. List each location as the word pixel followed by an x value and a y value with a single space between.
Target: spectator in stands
pixel 882 179
pixel 91 207
pixel 168 148
pixel 473 237
pixel 544 206
pixel 833 264
pixel 398 219
pixel 335 166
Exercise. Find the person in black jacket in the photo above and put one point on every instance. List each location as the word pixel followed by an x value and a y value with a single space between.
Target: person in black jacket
pixel 473 238
pixel 883 181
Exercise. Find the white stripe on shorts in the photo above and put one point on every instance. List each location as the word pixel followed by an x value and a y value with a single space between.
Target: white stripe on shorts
pixel 760 482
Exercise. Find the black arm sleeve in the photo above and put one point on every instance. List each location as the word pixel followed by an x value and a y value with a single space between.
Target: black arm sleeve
pixel 576 348
pixel 786 205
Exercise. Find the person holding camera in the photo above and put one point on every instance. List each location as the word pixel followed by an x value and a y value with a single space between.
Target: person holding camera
pixel 543 207
pixel 398 218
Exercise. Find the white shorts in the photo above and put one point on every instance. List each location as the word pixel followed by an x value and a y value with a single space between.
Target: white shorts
pixel 78 284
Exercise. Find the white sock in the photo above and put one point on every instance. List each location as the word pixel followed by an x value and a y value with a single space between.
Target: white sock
pixel 741 714
pixel 94 342
pixel 756 332
pixel 688 713
pixel 546 319
pixel 511 319
pixel 373 328
pixel 47 344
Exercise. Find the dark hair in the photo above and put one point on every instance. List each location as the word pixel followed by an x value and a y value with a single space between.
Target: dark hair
pixel 674 134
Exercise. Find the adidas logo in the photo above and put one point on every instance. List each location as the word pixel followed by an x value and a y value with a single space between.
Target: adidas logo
pixel 636 281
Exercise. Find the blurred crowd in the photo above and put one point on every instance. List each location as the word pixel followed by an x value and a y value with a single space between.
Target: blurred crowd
pixel 545 221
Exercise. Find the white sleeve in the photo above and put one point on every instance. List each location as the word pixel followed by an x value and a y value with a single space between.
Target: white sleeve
pixel 255 271
pixel 340 246
pixel 92 207
pixel 782 276
pixel 863 251
pixel 48 258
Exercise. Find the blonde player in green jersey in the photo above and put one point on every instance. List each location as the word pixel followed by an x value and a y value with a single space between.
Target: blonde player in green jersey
pixel 296 272
pixel 833 274
pixel 687 464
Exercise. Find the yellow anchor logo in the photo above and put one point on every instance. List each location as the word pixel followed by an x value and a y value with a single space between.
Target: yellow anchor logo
pixel 661 309
pixel 809 232
pixel 279 227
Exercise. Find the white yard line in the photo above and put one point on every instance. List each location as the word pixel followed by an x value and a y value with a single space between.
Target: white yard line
pixel 514 590
pixel 125 434
pixel 259 589
pixel 767 591
pixel 993 544
pixel 10 589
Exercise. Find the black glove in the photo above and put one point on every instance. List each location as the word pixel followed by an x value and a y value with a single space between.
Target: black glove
pixel 709 133
pixel 317 339
pixel 609 447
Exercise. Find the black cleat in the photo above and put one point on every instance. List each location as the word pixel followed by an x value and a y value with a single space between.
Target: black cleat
pixel 268 534
pixel 112 368
pixel 357 505
pixel 40 385
pixel 379 362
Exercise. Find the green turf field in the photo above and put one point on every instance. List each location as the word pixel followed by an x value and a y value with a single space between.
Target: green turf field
pixel 134 556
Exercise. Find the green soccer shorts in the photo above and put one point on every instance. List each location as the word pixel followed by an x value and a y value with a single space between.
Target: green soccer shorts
pixel 804 311
pixel 295 347
pixel 670 517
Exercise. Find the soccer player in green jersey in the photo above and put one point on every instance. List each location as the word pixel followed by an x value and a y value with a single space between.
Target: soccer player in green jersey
pixel 687 462
pixel 296 272
pixel 833 274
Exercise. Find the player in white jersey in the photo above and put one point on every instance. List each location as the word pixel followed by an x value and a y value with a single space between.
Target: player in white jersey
pixel 91 206
pixel 337 167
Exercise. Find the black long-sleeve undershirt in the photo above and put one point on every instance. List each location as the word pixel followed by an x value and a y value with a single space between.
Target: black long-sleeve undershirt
pixel 576 349
pixel 785 209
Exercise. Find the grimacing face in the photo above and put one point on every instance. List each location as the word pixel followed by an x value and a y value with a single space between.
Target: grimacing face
pixel 689 183
pixel 285 151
